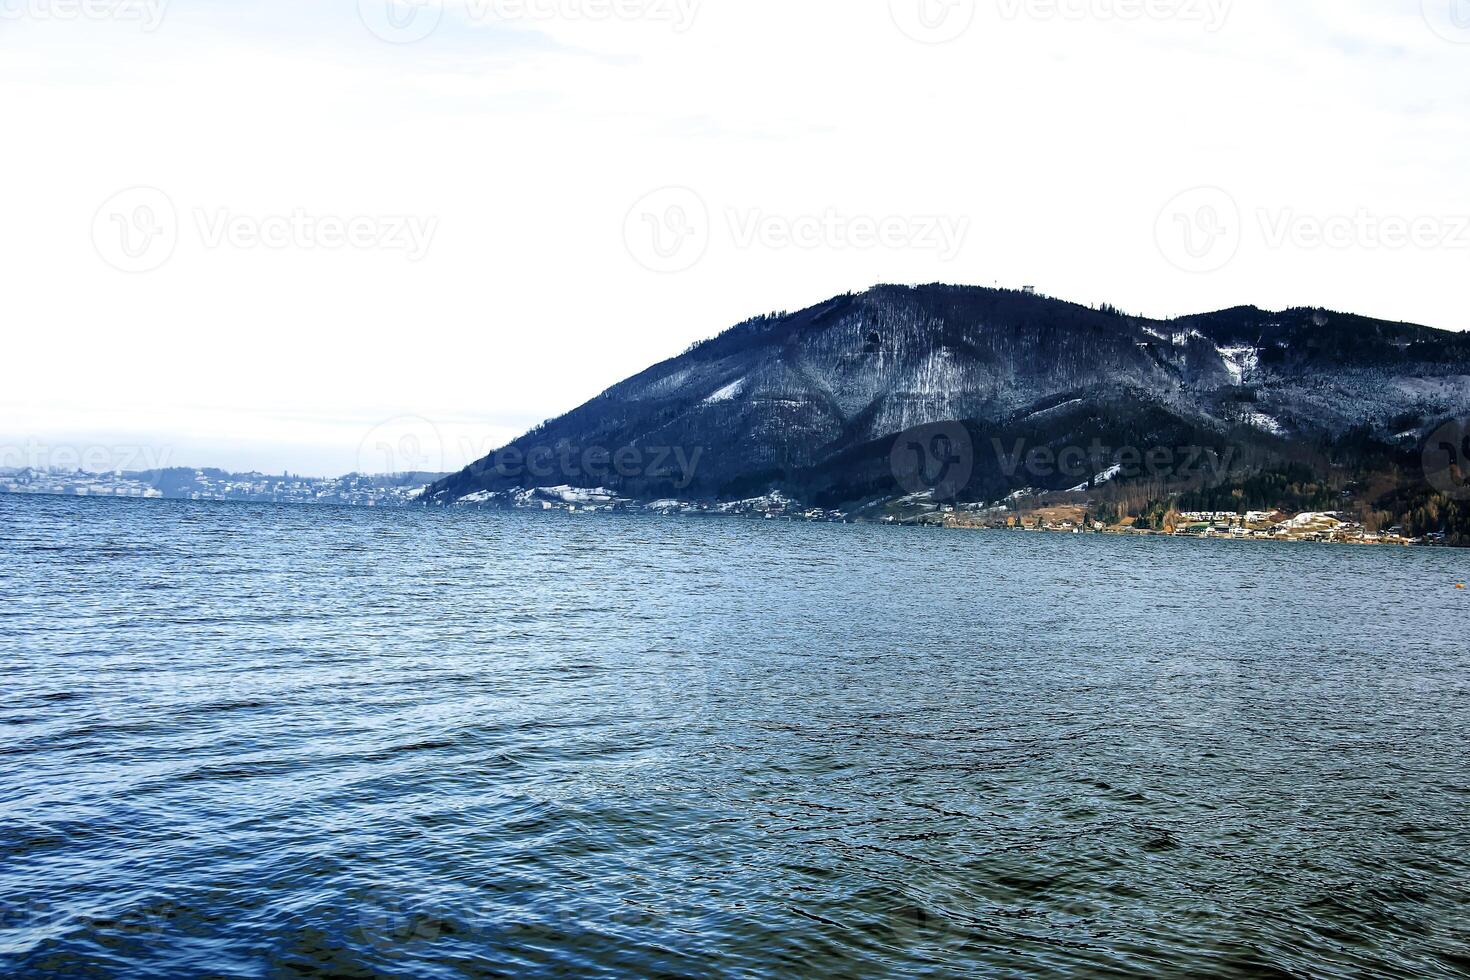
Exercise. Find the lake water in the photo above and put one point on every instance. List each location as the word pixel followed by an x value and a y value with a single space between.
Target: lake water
pixel 242 741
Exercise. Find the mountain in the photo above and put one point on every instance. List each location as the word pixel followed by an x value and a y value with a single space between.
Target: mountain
pixel 811 403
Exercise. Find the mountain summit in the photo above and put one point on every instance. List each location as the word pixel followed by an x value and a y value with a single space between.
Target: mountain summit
pixel 810 403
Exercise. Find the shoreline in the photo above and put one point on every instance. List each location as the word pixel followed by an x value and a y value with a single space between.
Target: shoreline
pixel 1122 532
pixel 931 521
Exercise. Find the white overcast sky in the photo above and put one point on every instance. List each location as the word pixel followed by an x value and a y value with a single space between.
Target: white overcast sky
pixel 514 159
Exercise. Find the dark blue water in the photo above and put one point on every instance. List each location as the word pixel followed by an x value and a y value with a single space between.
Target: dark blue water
pixel 245 740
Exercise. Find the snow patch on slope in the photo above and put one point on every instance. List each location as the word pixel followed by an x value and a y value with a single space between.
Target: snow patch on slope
pixel 1177 339
pixel 1108 474
pixel 728 393
pixel 522 497
pixel 668 384
pixel 1055 408
pixel 1325 519
pixel 1239 360
pixel 1265 423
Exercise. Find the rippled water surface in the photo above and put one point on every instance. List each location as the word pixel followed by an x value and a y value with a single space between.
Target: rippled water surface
pixel 247 741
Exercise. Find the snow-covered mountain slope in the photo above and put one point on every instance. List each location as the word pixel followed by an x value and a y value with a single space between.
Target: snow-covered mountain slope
pixel 788 394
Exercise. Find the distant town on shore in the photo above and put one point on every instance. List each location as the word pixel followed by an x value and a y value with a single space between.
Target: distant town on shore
pixel 1017 513
pixel 354 490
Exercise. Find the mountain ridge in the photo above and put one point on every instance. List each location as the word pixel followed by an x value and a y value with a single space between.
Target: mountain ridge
pixel 778 401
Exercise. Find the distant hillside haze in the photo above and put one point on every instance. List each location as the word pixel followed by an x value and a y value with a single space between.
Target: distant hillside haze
pixel 810 403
